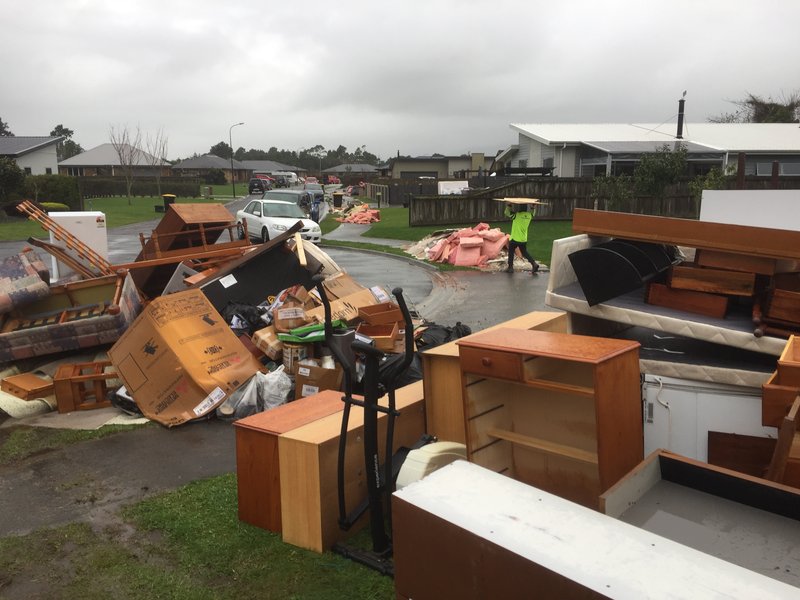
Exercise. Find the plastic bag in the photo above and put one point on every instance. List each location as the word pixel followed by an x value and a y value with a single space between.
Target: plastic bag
pixel 261 392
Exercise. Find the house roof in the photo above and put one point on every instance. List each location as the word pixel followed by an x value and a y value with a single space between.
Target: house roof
pixel 268 165
pixel 650 147
pixel 727 137
pixel 352 168
pixel 17 145
pixel 105 155
pixel 208 161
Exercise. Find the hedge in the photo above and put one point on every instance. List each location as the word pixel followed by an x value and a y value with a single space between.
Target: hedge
pixel 98 187
pixel 53 188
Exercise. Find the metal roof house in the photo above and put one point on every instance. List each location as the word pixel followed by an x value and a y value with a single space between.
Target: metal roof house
pixel 585 150
pixel 353 169
pixel 269 166
pixel 103 161
pixel 438 166
pixel 201 165
pixel 36 155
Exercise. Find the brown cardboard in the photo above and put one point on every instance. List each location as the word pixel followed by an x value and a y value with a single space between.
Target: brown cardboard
pixel 267 341
pixel 180 360
pixel 311 379
pixel 341 285
pixel 344 309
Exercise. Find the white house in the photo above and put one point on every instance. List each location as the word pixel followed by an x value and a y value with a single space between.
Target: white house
pixel 575 150
pixel 36 155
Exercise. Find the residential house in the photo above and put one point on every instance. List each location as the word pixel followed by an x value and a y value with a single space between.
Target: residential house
pixel 103 161
pixel 36 155
pixel 438 166
pixel 270 166
pixel 586 150
pixel 199 166
pixel 358 169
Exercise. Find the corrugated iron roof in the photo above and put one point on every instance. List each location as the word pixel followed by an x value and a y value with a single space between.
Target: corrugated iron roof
pixel 105 155
pixel 208 161
pixel 727 137
pixel 17 145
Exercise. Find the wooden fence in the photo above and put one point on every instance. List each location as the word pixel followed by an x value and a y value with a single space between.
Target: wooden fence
pixel 562 196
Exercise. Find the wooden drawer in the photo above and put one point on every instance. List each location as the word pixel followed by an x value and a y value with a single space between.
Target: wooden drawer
pixel 491 363
pixel 776 399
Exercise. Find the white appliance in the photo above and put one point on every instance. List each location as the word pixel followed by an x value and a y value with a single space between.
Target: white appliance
pixel 88 226
pixel 679 413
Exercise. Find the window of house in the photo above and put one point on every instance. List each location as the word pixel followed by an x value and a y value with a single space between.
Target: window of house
pixel 523 164
pixel 48 171
pixel 548 162
pixel 27 170
pixel 790 169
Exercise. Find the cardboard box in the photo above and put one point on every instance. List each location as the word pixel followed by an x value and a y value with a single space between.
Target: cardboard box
pixel 345 309
pixel 341 285
pixel 179 360
pixel 381 314
pixel 267 341
pixel 312 379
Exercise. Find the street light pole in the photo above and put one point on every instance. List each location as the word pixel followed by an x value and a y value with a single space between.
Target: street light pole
pixel 230 141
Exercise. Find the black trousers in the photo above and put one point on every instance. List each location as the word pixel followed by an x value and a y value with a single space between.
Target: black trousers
pixel 523 248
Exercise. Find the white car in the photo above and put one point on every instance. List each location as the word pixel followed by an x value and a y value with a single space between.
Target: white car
pixel 267 219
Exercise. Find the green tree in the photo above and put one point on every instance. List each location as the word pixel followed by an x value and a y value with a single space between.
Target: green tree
pixel 4 130
pixel 614 191
pixel 222 149
pixel 11 178
pixel 67 147
pixel 656 171
pixel 755 109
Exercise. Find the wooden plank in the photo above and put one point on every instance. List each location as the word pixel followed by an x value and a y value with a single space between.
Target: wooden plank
pixel 786 436
pixel 299 249
pixel 715 281
pixel 543 445
pixel 736 262
pixel 700 303
pixel 783 305
pixel 740 239
pixel 27 386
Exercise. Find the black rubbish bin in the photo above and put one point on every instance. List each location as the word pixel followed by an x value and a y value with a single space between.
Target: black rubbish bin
pixel 168 199
pixel 337 199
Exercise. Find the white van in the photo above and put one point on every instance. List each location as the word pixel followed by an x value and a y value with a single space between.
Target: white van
pixel 290 176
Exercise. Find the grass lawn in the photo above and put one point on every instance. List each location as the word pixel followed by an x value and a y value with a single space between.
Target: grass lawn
pixel 185 544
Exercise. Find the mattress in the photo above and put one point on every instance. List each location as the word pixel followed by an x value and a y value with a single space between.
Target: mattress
pixel 564 293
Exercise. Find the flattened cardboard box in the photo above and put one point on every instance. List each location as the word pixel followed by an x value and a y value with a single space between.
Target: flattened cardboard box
pixel 179 360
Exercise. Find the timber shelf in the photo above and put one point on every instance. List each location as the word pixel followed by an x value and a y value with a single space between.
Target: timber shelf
pixel 560 412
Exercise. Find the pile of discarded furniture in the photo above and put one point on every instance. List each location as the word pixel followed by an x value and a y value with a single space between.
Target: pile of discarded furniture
pixel 182 330
pixel 360 214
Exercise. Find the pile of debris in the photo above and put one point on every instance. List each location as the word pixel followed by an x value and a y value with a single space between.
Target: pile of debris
pixel 190 329
pixel 361 214
pixel 470 247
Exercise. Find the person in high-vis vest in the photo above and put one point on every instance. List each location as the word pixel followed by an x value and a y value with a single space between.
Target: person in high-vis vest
pixel 520 222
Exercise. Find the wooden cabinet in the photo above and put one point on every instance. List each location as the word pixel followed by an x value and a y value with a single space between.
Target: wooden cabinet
pixel 257 463
pixel 557 411
pixel 444 407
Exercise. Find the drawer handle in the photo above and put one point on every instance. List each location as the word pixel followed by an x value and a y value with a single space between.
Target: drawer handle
pixel 486 361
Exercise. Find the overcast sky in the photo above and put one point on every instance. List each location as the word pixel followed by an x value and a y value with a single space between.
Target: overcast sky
pixel 415 76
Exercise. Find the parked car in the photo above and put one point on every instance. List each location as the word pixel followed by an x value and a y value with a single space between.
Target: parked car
pixel 332 179
pixel 257 186
pixel 301 198
pixel 311 180
pixel 281 181
pixel 267 219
